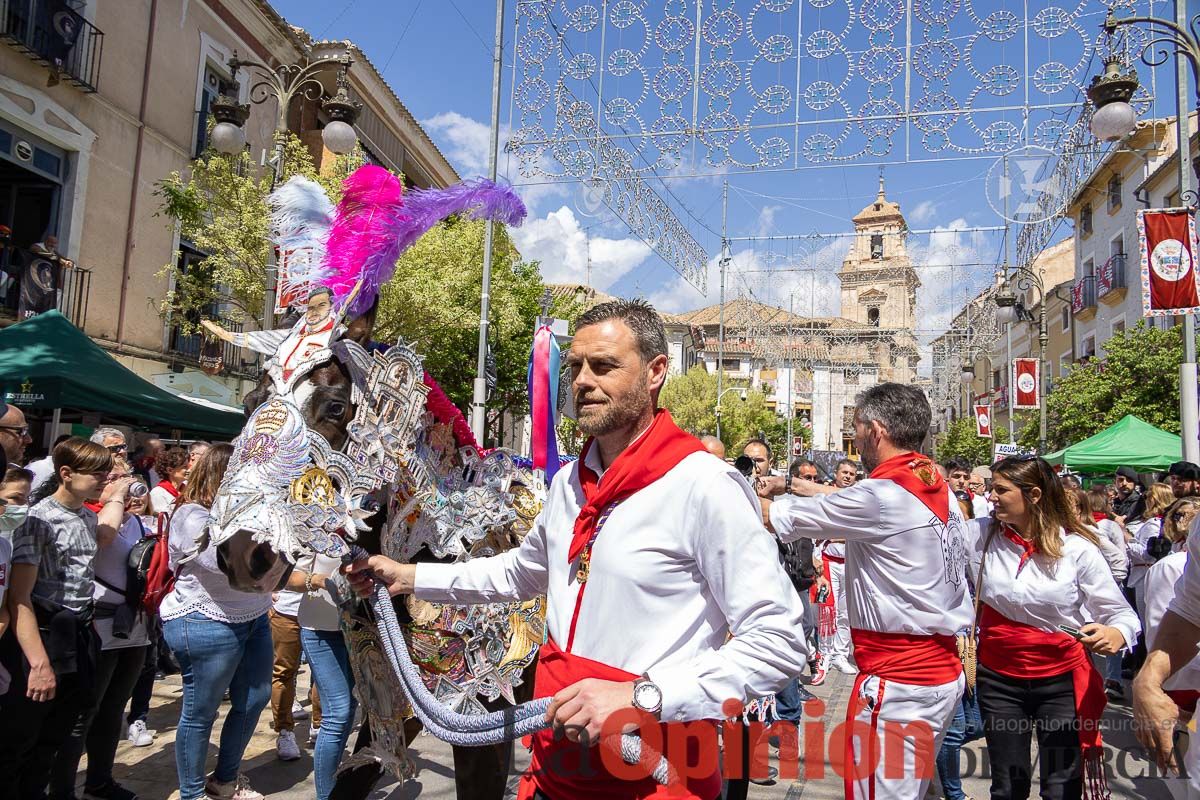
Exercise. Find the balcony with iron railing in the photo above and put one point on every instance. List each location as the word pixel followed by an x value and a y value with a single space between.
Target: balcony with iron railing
pixel 56 36
pixel 212 356
pixel 1111 280
pixel 1083 298
pixel 26 291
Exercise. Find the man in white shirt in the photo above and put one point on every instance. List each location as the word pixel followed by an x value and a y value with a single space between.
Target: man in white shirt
pixel 906 589
pixel 837 648
pixel 651 552
pixel 977 486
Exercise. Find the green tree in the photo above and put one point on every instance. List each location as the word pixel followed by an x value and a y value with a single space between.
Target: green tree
pixel 433 303
pixel 961 440
pixel 692 401
pixel 1139 374
pixel 220 206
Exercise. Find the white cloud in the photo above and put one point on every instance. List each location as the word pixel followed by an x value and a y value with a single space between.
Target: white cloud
pixel 765 225
pixel 923 212
pixel 560 244
pixel 948 264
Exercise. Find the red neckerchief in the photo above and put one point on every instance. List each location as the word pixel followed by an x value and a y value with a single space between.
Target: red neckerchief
pixel 651 456
pixel 915 474
pixel 1028 548
pixel 1099 516
pixel 170 487
pixel 93 506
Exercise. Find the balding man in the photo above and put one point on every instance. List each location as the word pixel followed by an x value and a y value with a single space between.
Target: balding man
pixel 14 434
pixel 713 445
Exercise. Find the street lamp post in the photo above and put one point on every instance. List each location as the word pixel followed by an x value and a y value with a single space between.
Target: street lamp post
pixel 1115 118
pixel 718 409
pixel 1007 313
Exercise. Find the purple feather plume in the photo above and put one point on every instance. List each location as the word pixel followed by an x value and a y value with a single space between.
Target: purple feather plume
pixel 374 225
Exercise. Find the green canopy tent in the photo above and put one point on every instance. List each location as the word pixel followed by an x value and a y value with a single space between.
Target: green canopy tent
pixel 1128 443
pixel 46 362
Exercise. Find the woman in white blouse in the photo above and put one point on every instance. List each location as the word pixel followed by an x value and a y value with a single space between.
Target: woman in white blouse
pixel 221 639
pixel 1047 600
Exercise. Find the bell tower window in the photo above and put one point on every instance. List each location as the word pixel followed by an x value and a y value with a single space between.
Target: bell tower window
pixel 876 246
pixel 873 317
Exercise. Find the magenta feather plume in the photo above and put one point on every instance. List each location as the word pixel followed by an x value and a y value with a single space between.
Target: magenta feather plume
pixel 374 225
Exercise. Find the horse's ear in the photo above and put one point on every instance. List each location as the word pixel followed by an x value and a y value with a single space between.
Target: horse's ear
pixel 361 327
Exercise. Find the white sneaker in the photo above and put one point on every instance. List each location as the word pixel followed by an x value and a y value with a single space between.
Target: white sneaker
pixel 138 735
pixel 299 711
pixel 313 732
pixel 286 747
pixel 234 790
pixel 843 665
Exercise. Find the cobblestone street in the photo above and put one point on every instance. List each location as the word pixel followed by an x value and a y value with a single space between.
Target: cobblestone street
pixel 150 771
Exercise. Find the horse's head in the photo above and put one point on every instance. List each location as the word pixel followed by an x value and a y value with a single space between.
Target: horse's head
pixel 288 488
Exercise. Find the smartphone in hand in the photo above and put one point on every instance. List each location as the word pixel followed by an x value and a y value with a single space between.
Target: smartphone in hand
pixel 1072 631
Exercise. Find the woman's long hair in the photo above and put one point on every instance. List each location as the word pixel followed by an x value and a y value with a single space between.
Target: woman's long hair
pixel 1080 502
pixel 1172 529
pixel 206 476
pixel 81 456
pixel 1052 513
pixel 1159 498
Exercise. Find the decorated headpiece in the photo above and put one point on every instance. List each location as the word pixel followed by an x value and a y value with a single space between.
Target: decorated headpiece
pixel 373 225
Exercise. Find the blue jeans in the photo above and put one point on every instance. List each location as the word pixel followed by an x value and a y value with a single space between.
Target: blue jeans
pixel 967 726
pixel 330 661
pixel 788 705
pixel 214 656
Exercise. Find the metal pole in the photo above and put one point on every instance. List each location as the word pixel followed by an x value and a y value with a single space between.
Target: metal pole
pixel 721 321
pixel 479 396
pixel 788 344
pixel 1008 382
pixel 1042 340
pixel 1188 406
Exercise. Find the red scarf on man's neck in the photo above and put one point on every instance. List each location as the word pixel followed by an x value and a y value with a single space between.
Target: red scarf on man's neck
pixel 916 475
pixel 170 487
pixel 645 460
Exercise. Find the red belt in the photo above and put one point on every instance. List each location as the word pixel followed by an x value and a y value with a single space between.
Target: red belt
pixel 834 559
pixel 565 769
pixel 921 659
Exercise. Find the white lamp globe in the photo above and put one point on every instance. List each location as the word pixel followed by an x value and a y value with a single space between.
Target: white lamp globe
pixel 1006 315
pixel 339 137
pixel 228 138
pixel 1114 121
pixel 968 375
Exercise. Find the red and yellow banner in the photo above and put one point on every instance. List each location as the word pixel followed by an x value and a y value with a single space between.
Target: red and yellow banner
pixel 1168 248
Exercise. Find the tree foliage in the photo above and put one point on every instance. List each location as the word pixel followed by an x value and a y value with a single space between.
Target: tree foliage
pixel 961 440
pixel 1139 374
pixel 220 206
pixel 692 401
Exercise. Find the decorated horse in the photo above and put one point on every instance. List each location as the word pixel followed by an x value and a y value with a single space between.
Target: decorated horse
pixel 350 446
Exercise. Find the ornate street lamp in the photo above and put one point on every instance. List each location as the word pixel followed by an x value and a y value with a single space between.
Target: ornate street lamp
pixel 283 84
pixel 1114 118
pixel 1009 310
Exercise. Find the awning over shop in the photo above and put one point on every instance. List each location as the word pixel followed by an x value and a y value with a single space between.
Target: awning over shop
pixel 46 362
pixel 1131 442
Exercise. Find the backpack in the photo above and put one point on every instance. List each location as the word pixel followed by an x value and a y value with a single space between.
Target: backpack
pixel 148 571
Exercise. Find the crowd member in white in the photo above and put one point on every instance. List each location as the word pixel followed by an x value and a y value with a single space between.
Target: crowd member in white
pixel 1110 537
pixel 907 592
pixel 1047 600
pixel 977 486
pixel 43 468
pixel 651 553
pixel 836 647
pixel 1159 498
pixel 1159 591
pixel 172 466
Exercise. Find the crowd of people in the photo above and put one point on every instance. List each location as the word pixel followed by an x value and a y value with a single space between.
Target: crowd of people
pixel 1005 602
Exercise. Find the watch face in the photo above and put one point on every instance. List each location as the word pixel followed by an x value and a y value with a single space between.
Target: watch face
pixel 648 696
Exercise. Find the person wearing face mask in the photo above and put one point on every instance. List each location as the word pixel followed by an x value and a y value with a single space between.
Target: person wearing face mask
pixel 14 500
pixel 52 656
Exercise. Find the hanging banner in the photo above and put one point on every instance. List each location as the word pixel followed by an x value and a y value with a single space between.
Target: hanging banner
pixel 983 421
pixel 1167 245
pixel 1026 374
pixel 291 292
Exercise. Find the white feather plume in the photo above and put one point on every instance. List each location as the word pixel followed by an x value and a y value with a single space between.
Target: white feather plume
pixel 301 214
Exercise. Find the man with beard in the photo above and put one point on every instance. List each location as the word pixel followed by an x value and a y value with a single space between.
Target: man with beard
pixel 905 569
pixel 650 552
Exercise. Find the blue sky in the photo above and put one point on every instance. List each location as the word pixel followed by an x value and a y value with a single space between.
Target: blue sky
pixel 436 54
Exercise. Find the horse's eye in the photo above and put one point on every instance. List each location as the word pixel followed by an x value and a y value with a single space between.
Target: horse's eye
pixel 337 408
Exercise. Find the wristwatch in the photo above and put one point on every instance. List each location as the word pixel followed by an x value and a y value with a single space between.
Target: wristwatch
pixel 647 696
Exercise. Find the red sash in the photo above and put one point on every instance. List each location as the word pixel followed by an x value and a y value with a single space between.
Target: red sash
pixel 1022 651
pixel 924 660
pixel 566 770
pixel 916 475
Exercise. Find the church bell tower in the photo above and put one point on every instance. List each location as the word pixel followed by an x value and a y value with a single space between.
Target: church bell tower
pixel 879 284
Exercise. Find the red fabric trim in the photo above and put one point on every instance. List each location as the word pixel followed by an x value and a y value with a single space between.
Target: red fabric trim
pixel 826 612
pixel 1185 698
pixel 561 777
pixel 168 486
pixel 654 454
pixel 915 474
pixel 1099 516
pixel 849 769
pixel 88 504
pixel 834 559
pixel 1022 651
pixel 287 371
pixel 907 658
